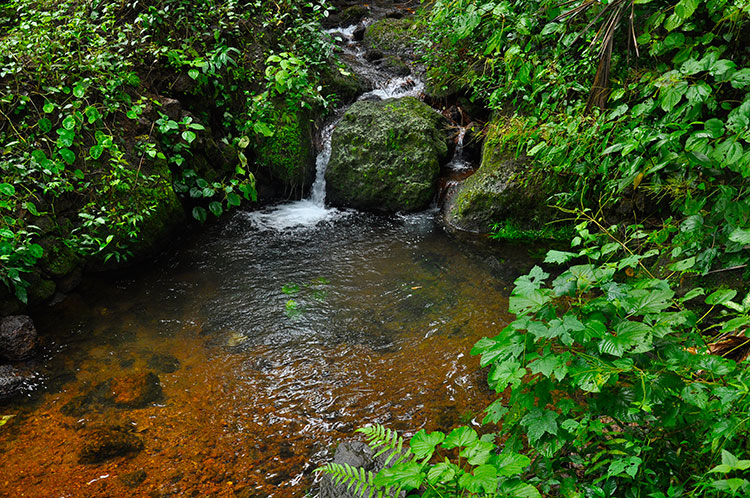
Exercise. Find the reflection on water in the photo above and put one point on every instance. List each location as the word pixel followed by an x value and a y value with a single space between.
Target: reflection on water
pixel 269 347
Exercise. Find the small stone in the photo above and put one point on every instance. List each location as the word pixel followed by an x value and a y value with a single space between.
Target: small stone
pixel 18 338
pixel 133 479
pixel 111 442
pixel 164 363
pixel 134 390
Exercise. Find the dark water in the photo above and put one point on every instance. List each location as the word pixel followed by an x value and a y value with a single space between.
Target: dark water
pixel 284 343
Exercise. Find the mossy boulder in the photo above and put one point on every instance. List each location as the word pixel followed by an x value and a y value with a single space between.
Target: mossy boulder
pixel 386 156
pixel 343 82
pixel 504 189
pixel 392 36
pixel 288 156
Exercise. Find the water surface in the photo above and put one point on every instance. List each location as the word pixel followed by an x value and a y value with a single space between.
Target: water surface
pixel 287 341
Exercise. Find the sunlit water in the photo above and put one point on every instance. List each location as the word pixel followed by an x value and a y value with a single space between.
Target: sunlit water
pixel 287 342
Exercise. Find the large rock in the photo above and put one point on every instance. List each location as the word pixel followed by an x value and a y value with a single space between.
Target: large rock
pixel 392 36
pixel 386 156
pixel 505 189
pixel 129 391
pixel 18 338
pixel 110 442
pixel 358 455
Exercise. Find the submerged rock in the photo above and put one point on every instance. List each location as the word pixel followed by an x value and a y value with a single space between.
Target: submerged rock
pixel 163 363
pixel 126 391
pixel 12 382
pixel 134 390
pixel 133 479
pixel 504 188
pixel 18 338
pixel 386 156
pixel 110 442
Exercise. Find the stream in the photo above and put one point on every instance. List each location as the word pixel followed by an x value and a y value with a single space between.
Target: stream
pixel 274 334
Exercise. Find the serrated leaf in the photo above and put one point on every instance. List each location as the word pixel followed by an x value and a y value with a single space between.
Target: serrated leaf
pixel 507 373
pixel 407 475
pixel 69 123
pixel 200 214
pixel 559 257
pixel 441 473
pixel 629 337
pixel 45 125
pixel 539 422
pixel 68 156
pixel 478 452
pixel 189 136
pixel 215 208
pixel 740 79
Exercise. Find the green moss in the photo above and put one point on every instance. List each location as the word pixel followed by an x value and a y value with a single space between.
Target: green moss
pixel 288 154
pixel 392 36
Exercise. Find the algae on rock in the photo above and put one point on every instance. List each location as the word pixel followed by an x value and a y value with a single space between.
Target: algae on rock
pixel 504 188
pixel 386 156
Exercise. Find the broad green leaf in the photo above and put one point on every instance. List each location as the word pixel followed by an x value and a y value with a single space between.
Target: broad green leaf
pixel 627 466
pixel 441 473
pixel 69 122
pixel 539 422
pixel 49 107
pixel 720 296
pixel 68 156
pixel 460 437
pixel 522 490
pixel 510 464
pixel 495 412
pixel 478 452
pixel 36 250
pixel 233 199
pixel 484 479
pixel 189 136
pixel 95 152
pixel 559 257
pixel 714 127
pixel 7 189
pixel 200 214
pixel 629 337
pixel 406 474
pixel 423 444
pixel 741 236
pixel 507 373
pixel 45 125
pixel 215 208
pixel 740 79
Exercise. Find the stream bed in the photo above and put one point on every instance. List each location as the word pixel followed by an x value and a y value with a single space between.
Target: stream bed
pixel 270 346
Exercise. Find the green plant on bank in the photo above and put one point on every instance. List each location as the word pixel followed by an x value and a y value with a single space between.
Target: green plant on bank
pixel 76 77
pixel 608 381
pixel 465 465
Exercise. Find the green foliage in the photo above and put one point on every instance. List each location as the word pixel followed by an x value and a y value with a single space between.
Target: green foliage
pixel 607 371
pixel 477 469
pixel 82 135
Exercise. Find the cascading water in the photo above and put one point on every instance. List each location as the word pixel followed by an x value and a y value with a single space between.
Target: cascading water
pixel 311 211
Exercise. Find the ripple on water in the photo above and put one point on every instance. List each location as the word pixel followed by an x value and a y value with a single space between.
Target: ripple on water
pixel 269 346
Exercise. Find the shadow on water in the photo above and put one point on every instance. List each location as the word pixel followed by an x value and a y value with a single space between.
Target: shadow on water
pixel 269 347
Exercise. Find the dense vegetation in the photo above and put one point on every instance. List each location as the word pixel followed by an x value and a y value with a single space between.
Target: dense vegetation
pixel 625 372
pixel 109 109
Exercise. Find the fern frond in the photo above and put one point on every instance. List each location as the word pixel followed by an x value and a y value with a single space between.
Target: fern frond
pixel 359 478
pixel 379 436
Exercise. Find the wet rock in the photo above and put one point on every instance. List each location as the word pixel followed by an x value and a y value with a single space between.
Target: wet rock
pixel 359 32
pixel 396 66
pixel 134 390
pixel 343 82
pixel 386 156
pixel 358 455
pixel 392 36
pixel 12 382
pixel 504 188
pixel 111 442
pixel 133 479
pixel 164 363
pixel 374 55
pixel 77 407
pixel 18 338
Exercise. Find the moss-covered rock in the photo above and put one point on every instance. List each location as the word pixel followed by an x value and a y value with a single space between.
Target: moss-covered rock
pixel 504 189
pixel 386 156
pixel 343 82
pixel 392 36
pixel 288 156
pixel 395 65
